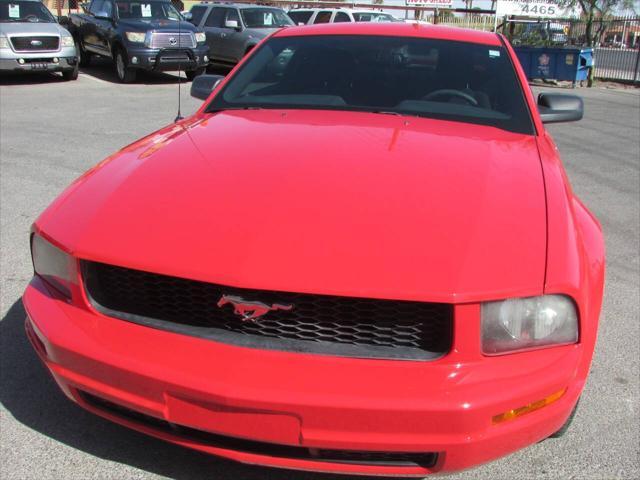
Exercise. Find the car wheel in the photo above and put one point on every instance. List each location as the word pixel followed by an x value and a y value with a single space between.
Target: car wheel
pixel 567 424
pixel 194 73
pixel 84 57
pixel 71 74
pixel 124 73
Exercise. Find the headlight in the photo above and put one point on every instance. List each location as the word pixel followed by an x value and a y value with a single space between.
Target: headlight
pixel 201 37
pixel 4 42
pixel 54 266
pixel 68 42
pixel 136 37
pixel 526 323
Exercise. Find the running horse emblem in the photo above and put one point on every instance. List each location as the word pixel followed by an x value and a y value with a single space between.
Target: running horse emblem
pixel 250 310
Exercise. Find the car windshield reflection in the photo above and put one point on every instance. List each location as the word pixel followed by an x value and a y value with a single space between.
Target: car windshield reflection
pixel 442 79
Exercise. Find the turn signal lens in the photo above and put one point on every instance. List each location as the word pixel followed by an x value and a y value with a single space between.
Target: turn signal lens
pixel 54 266
pixel 201 37
pixel 532 407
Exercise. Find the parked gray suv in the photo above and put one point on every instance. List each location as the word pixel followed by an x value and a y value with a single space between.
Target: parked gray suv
pixel 232 30
pixel 31 40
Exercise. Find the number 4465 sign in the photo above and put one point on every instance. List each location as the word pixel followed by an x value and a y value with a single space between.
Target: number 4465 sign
pixel 533 8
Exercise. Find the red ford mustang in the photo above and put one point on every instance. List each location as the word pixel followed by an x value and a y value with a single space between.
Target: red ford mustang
pixel 361 255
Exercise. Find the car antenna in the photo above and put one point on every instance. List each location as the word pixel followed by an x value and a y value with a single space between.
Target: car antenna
pixel 179 115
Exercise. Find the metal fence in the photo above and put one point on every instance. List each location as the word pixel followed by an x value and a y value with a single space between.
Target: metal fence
pixel 616 46
pixel 473 21
pixel 617 64
pixel 616 42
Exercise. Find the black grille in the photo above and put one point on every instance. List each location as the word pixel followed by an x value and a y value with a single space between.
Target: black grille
pixel 346 326
pixel 35 44
pixel 406 459
pixel 174 57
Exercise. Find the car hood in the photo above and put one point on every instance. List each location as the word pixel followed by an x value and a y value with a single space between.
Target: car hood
pixel 339 203
pixel 260 33
pixel 159 25
pixel 30 28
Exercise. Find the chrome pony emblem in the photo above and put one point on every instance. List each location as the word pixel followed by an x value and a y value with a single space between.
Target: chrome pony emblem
pixel 173 42
pixel 249 310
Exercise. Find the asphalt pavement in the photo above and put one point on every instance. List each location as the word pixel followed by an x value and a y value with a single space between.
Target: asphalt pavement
pixel 51 131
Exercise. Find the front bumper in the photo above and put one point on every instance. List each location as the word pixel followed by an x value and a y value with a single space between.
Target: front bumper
pixel 168 59
pixel 159 383
pixel 46 63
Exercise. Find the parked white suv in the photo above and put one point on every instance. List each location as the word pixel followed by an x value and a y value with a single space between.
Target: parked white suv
pixel 310 16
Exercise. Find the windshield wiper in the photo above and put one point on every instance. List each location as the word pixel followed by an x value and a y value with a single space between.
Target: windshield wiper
pixel 395 114
pixel 385 112
pixel 227 109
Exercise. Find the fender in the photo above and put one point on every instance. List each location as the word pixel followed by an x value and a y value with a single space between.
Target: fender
pixel 575 247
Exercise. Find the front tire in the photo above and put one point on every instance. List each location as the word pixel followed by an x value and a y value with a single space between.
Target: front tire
pixel 71 74
pixel 567 424
pixel 191 74
pixel 84 57
pixel 124 73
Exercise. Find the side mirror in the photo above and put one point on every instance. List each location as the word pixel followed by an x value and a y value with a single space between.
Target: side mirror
pixel 232 24
pixel 63 20
pixel 102 15
pixel 560 107
pixel 188 16
pixel 203 85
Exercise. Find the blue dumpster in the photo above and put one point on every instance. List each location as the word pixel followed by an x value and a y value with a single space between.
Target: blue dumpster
pixel 549 63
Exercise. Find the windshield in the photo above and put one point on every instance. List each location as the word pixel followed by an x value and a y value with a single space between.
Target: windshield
pixel 264 18
pixel 34 12
pixel 373 17
pixel 148 11
pixel 408 76
pixel 300 17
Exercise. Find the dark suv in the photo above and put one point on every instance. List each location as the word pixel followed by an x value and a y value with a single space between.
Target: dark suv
pixel 232 30
pixel 139 35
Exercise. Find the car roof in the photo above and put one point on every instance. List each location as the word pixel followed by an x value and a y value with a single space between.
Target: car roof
pixel 329 9
pixel 335 9
pixel 357 10
pixel 233 5
pixel 394 29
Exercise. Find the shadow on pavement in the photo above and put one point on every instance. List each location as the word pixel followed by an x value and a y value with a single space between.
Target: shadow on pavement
pixel 31 78
pixel 103 69
pixel 32 397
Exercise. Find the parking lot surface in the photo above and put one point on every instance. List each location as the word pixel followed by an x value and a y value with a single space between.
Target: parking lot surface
pixel 51 131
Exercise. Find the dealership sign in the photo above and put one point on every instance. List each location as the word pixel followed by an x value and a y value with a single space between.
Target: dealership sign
pixel 534 8
pixel 430 3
